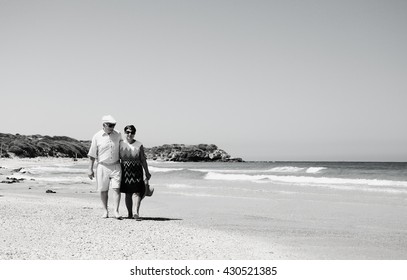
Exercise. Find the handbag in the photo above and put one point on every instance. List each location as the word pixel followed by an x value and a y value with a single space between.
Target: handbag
pixel 149 190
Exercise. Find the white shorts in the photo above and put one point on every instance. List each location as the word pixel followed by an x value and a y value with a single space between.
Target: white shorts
pixel 108 176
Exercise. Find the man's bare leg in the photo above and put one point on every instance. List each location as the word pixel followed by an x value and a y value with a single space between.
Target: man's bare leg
pixel 116 200
pixel 104 197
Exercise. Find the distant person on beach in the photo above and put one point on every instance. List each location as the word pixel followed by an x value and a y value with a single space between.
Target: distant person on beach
pixel 133 161
pixel 105 149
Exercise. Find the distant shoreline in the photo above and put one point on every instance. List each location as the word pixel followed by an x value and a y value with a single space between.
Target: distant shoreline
pixel 32 146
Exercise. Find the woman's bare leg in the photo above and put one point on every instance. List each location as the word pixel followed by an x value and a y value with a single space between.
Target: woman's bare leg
pixel 136 209
pixel 129 204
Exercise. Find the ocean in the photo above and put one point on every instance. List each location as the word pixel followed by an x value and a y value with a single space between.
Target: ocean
pixel 249 179
pixel 263 176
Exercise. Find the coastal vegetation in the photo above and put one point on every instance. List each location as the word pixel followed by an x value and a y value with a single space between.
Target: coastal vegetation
pixel 42 146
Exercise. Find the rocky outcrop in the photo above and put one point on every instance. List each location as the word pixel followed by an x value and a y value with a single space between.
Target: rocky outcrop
pixel 62 146
pixel 12 180
pixel 181 152
pixel 42 146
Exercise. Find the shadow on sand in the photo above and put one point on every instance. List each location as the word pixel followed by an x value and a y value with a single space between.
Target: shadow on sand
pixel 158 219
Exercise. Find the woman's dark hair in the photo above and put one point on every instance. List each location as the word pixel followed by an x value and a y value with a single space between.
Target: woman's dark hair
pixel 131 128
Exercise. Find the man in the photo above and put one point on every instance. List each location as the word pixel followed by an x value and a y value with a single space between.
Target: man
pixel 105 149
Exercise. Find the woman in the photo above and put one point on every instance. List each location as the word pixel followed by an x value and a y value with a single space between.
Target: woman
pixel 133 161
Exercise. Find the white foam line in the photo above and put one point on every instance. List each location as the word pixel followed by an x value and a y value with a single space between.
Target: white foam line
pixel 305 180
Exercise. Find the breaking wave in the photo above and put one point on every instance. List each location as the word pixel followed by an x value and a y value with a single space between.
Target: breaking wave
pixel 47 169
pixel 163 169
pixel 306 180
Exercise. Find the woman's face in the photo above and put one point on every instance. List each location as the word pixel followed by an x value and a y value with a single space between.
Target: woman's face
pixel 129 135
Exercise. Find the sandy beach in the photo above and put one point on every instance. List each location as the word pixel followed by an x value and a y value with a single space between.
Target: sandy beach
pixel 65 224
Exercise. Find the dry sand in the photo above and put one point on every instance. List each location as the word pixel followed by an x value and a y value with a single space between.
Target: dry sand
pixel 66 225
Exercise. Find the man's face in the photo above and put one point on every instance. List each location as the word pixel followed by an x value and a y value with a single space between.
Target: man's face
pixel 109 127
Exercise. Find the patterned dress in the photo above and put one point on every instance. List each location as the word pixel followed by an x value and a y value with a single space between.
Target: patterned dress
pixel 132 170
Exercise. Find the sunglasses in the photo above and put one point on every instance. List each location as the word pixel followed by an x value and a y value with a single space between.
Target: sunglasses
pixel 129 132
pixel 110 124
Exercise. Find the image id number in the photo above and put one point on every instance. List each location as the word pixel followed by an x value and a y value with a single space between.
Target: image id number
pixel 248 270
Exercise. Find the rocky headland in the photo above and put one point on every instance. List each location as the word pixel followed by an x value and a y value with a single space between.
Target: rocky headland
pixel 181 152
pixel 30 146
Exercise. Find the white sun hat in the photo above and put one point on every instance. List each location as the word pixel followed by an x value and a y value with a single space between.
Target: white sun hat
pixel 108 119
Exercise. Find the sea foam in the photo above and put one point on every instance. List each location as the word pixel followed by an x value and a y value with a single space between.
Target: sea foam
pixel 48 169
pixel 315 169
pixel 286 169
pixel 305 180
pixel 282 169
pixel 163 169
pixel 73 180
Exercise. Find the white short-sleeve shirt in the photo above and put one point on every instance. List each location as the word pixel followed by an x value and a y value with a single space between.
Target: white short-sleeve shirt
pixel 105 147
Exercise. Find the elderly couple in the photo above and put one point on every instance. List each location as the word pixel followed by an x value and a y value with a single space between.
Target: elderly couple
pixel 120 164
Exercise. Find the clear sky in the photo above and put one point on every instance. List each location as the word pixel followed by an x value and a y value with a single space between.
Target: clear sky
pixel 264 80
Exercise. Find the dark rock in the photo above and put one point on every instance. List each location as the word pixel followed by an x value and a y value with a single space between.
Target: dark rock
pixel 12 180
pixel 184 153
pixel 50 191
